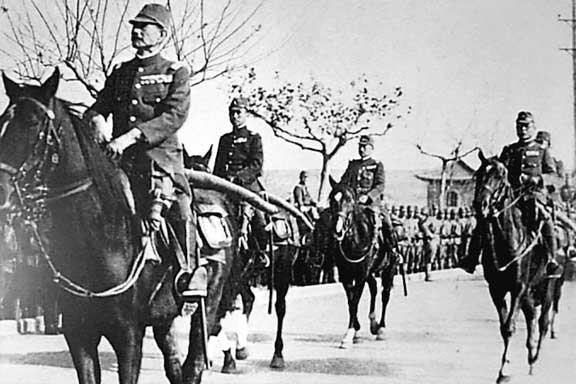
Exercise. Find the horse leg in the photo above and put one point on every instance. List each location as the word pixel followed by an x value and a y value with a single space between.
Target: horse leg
pixel 555 305
pixel 173 350
pixel 348 337
pixel 282 285
pixel 387 279
pixel 372 285
pixel 544 319
pixel 502 309
pixel 529 310
pixel 353 292
pixel 194 364
pixel 83 345
pixel 126 339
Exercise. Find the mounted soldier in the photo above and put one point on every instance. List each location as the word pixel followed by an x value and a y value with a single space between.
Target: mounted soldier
pixel 366 177
pixel 239 159
pixel 149 99
pixel 530 167
pixel 304 202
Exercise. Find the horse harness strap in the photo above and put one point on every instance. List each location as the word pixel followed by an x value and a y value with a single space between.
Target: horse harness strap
pixel 526 250
pixel 48 154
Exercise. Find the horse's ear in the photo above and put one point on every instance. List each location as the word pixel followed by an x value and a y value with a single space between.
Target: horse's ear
pixel 208 155
pixel 482 157
pixel 12 88
pixel 333 182
pixel 50 86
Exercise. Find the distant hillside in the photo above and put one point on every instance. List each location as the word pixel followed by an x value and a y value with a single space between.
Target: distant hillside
pixel 401 185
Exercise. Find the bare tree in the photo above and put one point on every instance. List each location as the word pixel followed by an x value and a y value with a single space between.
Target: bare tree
pixel 89 36
pixel 320 119
pixel 455 155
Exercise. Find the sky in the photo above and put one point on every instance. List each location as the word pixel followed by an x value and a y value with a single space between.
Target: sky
pixel 466 68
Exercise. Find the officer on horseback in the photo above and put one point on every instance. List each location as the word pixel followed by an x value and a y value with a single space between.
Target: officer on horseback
pixel 530 167
pixel 304 201
pixel 366 177
pixel 149 98
pixel 239 159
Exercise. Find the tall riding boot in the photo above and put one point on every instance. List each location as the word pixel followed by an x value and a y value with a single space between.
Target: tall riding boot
pixel 198 284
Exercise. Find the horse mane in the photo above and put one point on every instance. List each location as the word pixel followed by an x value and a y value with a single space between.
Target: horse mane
pixel 104 173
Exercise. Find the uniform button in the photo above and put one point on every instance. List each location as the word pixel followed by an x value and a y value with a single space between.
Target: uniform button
pixel 140 69
pixel 132 118
pixel 158 99
pixel 138 86
pixel 134 101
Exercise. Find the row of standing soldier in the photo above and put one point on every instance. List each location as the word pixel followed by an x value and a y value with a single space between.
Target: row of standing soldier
pixel 432 239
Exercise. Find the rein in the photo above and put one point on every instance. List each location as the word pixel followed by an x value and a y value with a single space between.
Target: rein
pixel 32 196
pixel 501 193
pixel 339 242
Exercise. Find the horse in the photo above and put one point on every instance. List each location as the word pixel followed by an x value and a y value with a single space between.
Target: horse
pixel 245 270
pixel 358 256
pixel 50 165
pixel 514 262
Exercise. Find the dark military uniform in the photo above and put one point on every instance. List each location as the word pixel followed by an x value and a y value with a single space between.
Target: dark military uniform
pixel 526 162
pixel 153 95
pixel 240 158
pixel 366 177
pixel 526 158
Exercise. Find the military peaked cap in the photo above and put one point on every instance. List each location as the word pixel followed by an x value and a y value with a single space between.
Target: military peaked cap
pixel 366 140
pixel 239 103
pixel 153 13
pixel 524 117
pixel 544 136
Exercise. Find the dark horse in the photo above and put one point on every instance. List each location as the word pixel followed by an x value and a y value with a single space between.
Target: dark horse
pixel 245 270
pixel 358 256
pixel 514 262
pixel 50 165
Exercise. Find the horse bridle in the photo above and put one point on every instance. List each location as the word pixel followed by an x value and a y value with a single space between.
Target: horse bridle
pixel 31 189
pixel 347 226
pixel 48 142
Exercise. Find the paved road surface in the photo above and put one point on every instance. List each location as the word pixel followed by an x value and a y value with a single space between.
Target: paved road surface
pixel 444 332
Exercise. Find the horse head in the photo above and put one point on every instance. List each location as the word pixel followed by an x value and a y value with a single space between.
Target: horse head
pixel 491 185
pixel 27 134
pixel 342 201
pixel 197 162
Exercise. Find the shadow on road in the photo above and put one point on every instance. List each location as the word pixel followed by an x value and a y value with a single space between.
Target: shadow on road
pixel 59 359
pixel 330 366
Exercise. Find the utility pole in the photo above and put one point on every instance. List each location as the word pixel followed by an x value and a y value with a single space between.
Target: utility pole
pixel 572 52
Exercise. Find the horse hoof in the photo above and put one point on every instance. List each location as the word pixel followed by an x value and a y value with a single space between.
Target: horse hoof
pixel 344 345
pixel 380 334
pixel 374 326
pixel 356 340
pixel 229 365
pixel 552 335
pixel 242 353
pixel 503 379
pixel 277 362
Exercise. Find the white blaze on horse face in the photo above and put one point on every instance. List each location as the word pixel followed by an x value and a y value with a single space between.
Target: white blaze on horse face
pixel 339 224
pixel 338 197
